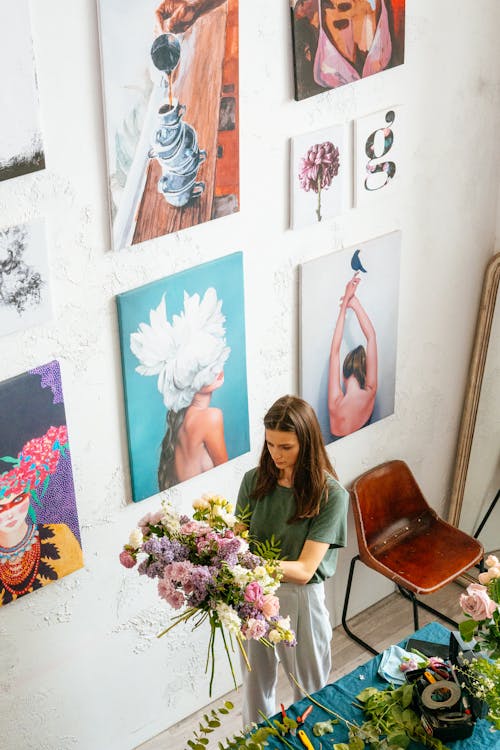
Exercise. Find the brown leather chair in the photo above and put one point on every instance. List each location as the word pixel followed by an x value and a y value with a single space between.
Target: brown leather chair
pixel 403 538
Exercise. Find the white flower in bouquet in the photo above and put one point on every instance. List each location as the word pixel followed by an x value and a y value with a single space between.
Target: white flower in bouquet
pixel 136 539
pixel 228 617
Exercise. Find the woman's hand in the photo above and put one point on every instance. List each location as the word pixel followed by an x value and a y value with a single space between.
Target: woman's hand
pixel 176 16
pixel 350 290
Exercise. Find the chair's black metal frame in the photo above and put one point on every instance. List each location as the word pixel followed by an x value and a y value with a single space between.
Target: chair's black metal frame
pixel 416 603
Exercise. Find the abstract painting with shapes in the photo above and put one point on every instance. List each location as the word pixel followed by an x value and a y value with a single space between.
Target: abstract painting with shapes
pixel 336 43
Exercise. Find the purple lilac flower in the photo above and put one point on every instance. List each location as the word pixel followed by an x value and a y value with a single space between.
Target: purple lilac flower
pixel 247 611
pixel 228 548
pixel 151 568
pixel 198 585
pixel 318 168
pixel 249 560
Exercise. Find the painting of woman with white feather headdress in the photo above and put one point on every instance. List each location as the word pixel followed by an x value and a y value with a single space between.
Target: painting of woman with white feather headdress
pixel 180 344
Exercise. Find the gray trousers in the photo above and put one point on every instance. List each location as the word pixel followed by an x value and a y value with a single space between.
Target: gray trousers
pixel 309 661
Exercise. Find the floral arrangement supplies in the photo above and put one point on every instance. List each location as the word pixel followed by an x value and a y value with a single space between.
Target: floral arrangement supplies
pixel 205 567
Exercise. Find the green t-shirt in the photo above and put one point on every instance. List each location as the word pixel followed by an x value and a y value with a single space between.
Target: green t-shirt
pixel 270 514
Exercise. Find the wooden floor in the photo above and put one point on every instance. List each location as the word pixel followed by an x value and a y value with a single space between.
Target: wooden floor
pixel 381 625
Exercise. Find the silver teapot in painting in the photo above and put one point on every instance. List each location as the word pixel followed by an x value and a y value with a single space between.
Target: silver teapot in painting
pixel 175 143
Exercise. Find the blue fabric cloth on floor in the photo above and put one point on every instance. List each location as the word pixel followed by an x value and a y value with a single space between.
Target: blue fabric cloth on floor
pixel 339 695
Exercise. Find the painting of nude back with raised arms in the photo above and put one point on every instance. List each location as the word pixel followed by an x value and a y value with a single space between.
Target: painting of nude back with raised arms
pixel 348 335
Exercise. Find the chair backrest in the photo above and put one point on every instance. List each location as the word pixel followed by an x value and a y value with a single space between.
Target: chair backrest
pixel 388 503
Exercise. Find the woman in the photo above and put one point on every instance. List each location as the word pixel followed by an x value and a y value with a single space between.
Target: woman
pixel 294 496
pixel 188 356
pixel 351 408
pixel 194 441
pixel 32 555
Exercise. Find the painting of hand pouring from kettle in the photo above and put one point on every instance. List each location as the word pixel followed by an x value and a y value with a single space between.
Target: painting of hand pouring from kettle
pixel 175 143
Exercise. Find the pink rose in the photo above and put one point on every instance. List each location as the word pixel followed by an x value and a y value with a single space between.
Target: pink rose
pixel 254 629
pixel 270 605
pixel 476 603
pixel 126 559
pixel 253 593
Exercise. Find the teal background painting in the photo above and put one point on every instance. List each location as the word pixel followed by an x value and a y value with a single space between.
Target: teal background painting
pixel 145 410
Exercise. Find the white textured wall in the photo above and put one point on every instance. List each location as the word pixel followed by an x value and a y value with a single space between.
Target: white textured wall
pixel 80 668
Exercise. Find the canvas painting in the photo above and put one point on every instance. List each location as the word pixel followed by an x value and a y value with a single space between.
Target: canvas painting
pixel 184 372
pixel 39 529
pixel 25 298
pixel 320 175
pixel 21 145
pixel 378 154
pixel 170 86
pixel 335 44
pixel 348 335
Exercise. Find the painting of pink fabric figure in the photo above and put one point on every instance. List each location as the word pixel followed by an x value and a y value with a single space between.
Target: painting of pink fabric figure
pixel 336 43
pixel 349 320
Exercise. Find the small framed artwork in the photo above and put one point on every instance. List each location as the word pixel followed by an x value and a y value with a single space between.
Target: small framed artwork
pixel 171 96
pixel 378 154
pixel 348 335
pixel 39 529
pixel 21 145
pixel 25 298
pixel 320 175
pixel 184 372
pixel 335 44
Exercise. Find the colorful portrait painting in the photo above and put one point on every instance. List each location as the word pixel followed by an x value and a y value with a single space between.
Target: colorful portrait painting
pixel 348 333
pixel 39 530
pixel 25 298
pixel 336 43
pixel 378 154
pixel 184 372
pixel 171 100
pixel 320 175
pixel 21 146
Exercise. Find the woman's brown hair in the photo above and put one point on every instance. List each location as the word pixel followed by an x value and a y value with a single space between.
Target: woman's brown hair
pixel 355 364
pixel 293 414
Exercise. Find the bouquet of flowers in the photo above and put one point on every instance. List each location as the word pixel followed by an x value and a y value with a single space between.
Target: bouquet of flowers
pixel 481 604
pixel 203 565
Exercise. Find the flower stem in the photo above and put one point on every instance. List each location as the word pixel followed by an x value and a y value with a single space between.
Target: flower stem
pixel 229 658
pixel 243 652
pixel 318 209
pixel 270 724
pixel 320 705
pixel 179 618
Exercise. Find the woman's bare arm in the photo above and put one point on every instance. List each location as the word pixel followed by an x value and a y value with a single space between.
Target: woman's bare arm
pixel 371 343
pixel 302 570
pixel 334 387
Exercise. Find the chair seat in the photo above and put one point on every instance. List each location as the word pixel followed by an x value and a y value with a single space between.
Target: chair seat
pixel 426 556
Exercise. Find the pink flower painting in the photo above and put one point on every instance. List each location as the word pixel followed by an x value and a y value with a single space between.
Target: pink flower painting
pixel 320 167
